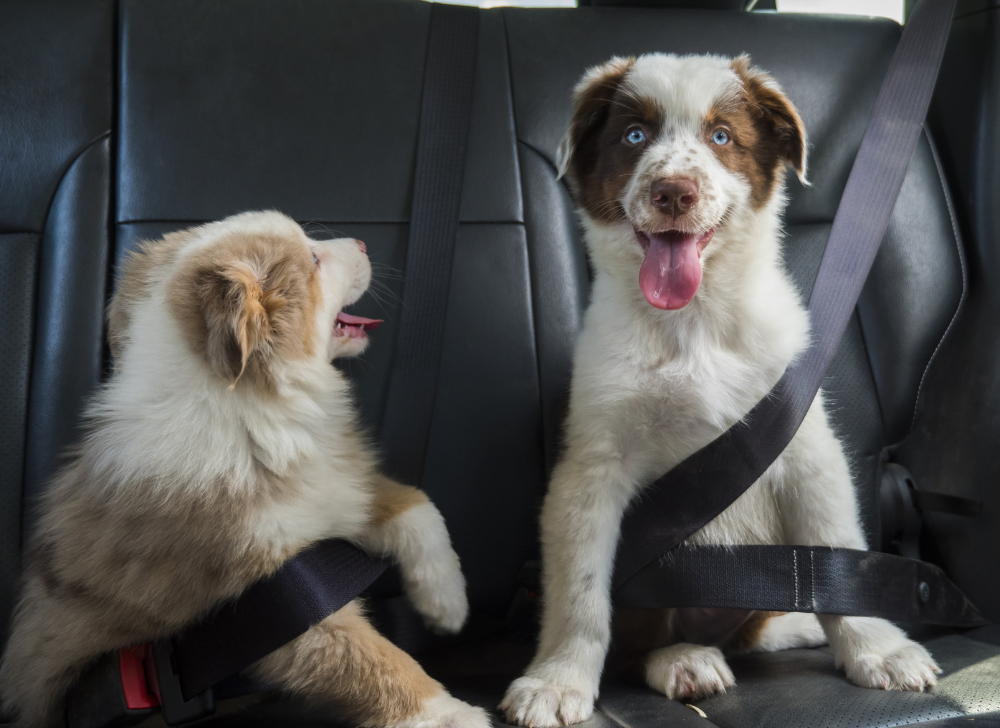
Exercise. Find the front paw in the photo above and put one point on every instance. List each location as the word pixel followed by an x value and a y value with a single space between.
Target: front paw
pixel 437 591
pixel 444 711
pixel 539 704
pixel 688 672
pixel 909 667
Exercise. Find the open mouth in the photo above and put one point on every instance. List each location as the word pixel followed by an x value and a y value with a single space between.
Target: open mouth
pixel 354 327
pixel 671 270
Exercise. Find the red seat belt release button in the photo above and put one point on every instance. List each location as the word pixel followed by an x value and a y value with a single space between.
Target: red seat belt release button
pixel 138 682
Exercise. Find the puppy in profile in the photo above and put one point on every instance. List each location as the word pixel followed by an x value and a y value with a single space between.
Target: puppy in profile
pixel 676 165
pixel 223 444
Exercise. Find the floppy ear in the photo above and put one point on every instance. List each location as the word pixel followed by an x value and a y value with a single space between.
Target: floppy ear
pixel 237 313
pixel 776 113
pixel 591 101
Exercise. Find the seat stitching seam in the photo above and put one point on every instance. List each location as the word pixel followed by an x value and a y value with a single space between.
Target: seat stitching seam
pixel 812 579
pixel 795 571
pixel 965 278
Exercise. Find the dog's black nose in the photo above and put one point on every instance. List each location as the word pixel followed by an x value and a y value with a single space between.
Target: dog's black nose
pixel 674 196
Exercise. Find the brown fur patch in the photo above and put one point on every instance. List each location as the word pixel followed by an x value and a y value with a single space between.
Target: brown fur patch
pixel 748 636
pixel 245 302
pixel 600 164
pixel 114 564
pixel 392 499
pixel 765 132
pixel 139 271
pixel 344 661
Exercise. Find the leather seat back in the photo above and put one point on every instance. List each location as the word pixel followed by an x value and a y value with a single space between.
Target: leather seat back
pixel 55 122
pixel 311 108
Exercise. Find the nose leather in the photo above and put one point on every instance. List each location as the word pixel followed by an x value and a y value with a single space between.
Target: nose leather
pixel 674 196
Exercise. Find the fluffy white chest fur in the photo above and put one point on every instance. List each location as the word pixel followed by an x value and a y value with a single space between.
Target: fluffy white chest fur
pixel 648 391
pixel 304 434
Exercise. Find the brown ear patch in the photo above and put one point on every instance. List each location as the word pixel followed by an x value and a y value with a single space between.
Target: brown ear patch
pixel 766 132
pixel 597 164
pixel 781 134
pixel 246 302
pixel 237 312
pixel 141 268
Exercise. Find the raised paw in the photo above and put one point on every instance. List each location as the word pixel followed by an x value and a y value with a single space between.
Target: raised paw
pixel 539 704
pixel 909 667
pixel 437 591
pixel 444 711
pixel 688 671
pixel 432 574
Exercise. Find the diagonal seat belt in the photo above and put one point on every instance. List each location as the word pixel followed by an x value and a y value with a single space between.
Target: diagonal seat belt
pixel 696 491
pixel 320 580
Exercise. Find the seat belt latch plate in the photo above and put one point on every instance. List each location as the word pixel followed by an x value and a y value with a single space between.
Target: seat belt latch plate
pixel 166 683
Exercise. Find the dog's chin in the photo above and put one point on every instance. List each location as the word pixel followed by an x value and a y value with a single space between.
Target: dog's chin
pixel 340 348
pixel 349 336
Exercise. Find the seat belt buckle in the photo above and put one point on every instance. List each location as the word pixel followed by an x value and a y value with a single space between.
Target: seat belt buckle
pixel 150 680
pixel 128 686
pixel 135 667
pixel 163 678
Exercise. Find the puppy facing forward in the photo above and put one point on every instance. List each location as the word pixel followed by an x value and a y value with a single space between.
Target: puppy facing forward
pixel 223 444
pixel 676 165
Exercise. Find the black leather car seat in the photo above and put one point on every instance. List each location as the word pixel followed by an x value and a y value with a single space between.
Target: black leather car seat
pixel 122 121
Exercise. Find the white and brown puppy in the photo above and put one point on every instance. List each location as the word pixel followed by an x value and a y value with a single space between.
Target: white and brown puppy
pixel 677 167
pixel 223 444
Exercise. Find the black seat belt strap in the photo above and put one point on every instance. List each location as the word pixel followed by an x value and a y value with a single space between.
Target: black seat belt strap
pixel 699 489
pixel 801 579
pixel 445 112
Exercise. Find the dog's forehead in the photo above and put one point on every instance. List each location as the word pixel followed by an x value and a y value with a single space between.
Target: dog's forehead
pixel 685 88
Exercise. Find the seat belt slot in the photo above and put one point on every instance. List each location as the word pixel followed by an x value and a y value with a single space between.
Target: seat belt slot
pixel 902 506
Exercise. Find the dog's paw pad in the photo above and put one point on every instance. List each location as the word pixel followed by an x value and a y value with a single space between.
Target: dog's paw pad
pixel 688 671
pixel 910 667
pixel 538 704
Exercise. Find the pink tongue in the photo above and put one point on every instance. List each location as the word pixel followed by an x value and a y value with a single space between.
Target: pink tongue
pixel 366 323
pixel 671 272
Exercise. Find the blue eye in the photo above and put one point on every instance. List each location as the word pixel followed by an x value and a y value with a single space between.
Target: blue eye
pixel 720 137
pixel 315 259
pixel 635 136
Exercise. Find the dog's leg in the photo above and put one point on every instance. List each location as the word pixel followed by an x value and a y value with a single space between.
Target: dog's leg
pixel 787 632
pixel 819 509
pixel 343 661
pixel 580 524
pixel 408 528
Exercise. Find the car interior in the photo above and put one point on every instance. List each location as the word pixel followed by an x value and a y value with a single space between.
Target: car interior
pixel 123 120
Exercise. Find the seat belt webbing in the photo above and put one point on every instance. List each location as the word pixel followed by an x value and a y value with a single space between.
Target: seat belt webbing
pixel 685 499
pixel 801 579
pixel 445 111
pixel 322 579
